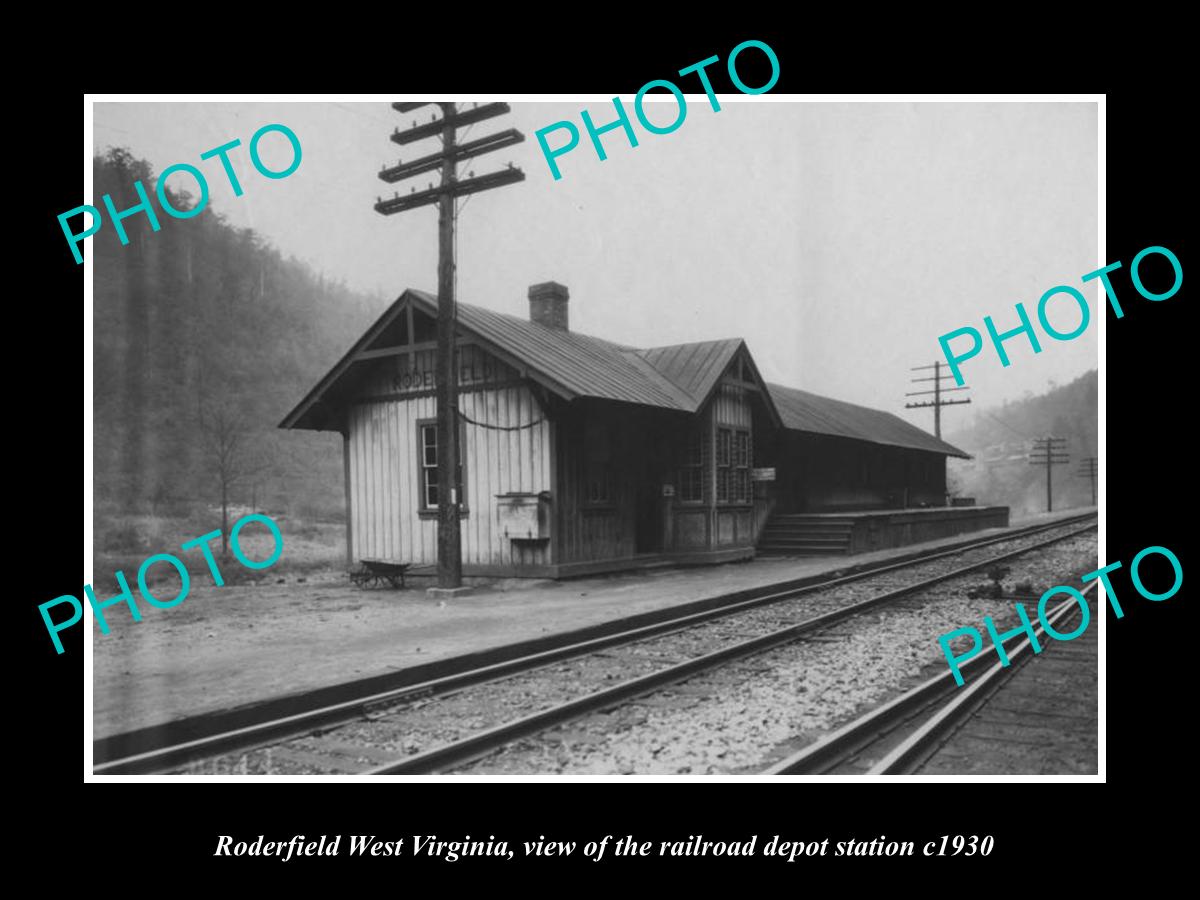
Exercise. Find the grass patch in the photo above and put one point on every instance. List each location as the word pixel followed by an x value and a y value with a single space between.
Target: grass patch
pixel 123 542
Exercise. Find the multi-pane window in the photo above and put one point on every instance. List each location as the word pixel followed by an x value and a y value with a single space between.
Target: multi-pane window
pixel 429 471
pixel 724 458
pixel 427 436
pixel 691 473
pixel 741 470
pixel 733 466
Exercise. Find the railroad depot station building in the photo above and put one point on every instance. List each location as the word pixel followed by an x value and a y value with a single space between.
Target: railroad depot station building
pixel 582 456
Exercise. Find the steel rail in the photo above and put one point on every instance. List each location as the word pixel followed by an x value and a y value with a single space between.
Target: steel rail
pixel 483 743
pixel 925 742
pixel 275 729
pixel 849 741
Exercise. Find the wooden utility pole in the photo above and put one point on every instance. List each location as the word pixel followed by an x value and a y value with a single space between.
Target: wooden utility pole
pixel 1048 452
pixel 937 402
pixel 445 195
pixel 449 533
pixel 1090 470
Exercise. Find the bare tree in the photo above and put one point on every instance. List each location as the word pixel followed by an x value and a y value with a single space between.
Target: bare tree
pixel 230 455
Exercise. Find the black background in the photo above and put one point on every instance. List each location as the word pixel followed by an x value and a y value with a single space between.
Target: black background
pixel 1038 826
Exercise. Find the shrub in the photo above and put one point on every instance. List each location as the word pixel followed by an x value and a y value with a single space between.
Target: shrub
pixel 122 538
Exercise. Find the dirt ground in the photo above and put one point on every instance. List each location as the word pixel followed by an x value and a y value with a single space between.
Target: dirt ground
pixel 225 646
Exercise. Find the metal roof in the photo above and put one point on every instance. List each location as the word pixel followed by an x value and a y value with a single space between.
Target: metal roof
pixel 694 367
pixel 803 411
pixel 678 377
pixel 584 366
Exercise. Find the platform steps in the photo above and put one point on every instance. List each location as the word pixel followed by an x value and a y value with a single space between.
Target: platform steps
pixel 799 534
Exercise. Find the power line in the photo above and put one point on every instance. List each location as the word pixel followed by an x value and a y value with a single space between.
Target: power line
pixel 462 415
pixel 1020 434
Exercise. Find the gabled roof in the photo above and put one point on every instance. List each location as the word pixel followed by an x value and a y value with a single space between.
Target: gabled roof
pixel 803 411
pixel 680 377
pixel 577 364
pixel 694 367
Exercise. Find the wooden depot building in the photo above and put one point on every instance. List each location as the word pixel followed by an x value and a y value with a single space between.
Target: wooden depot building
pixel 580 455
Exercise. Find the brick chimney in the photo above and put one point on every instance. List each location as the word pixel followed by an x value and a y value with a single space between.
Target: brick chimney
pixel 548 305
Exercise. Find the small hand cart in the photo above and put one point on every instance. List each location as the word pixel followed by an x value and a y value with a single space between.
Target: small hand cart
pixel 378 571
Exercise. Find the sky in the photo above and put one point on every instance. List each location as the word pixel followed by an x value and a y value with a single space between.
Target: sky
pixel 840 240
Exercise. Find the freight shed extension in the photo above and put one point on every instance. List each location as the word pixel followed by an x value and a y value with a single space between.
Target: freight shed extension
pixel 580 455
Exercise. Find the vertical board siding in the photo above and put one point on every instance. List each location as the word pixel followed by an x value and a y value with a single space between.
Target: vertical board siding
pixel 731 405
pixel 605 531
pixel 519 467
pixel 384 469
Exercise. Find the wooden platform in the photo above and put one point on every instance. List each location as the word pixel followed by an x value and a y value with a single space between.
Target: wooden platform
pixel 640 562
pixel 839 533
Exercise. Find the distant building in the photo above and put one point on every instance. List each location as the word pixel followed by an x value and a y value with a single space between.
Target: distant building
pixel 581 455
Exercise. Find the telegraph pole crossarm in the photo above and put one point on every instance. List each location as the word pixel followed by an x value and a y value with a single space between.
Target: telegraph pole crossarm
pixel 937 402
pixel 445 194
pixel 1049 451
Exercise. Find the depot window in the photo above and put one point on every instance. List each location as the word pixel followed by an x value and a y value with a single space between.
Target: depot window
pixel 691 473
pixel 733 465
pixel 428 468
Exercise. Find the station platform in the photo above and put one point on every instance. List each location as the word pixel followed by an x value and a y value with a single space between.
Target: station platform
pixel 240 644
pixel 805 534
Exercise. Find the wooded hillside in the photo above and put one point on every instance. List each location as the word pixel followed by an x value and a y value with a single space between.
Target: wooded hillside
pixel 205 336
pixel 1000 439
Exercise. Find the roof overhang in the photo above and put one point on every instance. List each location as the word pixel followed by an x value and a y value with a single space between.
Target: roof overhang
pixel 315 412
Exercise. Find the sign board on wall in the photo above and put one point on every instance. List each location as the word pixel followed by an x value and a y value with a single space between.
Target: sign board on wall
pixel 523 516
pixel 416 372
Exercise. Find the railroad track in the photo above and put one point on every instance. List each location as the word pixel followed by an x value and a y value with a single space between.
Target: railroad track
pixel 531 739
pixel 901 736
pixel 712 633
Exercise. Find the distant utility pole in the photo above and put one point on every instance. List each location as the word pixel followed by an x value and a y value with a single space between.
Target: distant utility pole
pixel 937 402
pixel 1089 470
pixel 444 195
pixel 1048 452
